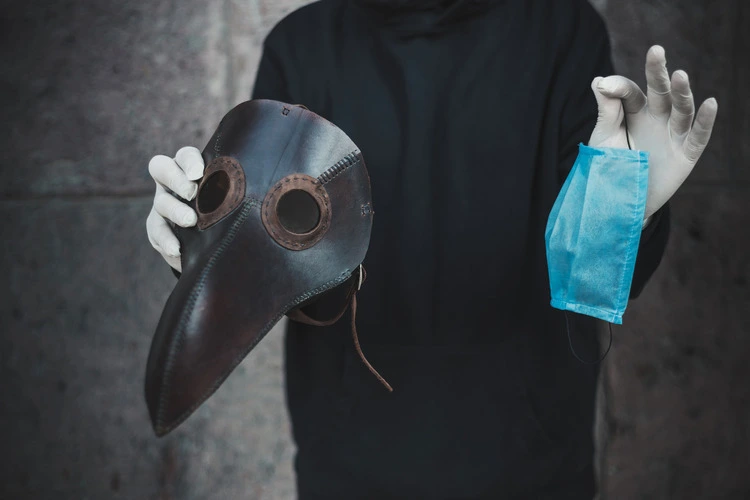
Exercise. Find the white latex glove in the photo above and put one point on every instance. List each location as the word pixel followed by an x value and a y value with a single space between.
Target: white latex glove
pixel 173 175
pixel 660 123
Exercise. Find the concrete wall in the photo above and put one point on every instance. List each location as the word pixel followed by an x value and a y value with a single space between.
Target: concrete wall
pixel 92 90
pixel 677 412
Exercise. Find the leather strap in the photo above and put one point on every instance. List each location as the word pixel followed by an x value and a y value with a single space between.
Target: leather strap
pixel 355 283
pixel 359 349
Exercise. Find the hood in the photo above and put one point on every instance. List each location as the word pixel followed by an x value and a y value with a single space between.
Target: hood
pixel 423 17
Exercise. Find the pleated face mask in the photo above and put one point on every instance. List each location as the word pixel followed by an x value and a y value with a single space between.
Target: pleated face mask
pixel 593 232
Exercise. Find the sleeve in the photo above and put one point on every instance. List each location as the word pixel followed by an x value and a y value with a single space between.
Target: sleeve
pixel 591 52
pixel 650 250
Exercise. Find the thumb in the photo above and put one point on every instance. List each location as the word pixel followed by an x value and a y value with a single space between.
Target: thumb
pixel 610 114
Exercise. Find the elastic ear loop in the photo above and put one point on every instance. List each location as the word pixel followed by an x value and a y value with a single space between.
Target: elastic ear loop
pixel 567 324
pixel 625 119
pixel 572 349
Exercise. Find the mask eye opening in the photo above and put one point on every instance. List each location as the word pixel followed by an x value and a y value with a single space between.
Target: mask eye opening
pixel 298 211
pixel 221 190
pixel 213 192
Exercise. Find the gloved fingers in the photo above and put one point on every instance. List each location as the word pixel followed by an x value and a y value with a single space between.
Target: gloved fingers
pixel 683 106
pixel 610 111
pixel 658 83
pixel 167 173
pixel 160 235
pixel 700 134
pixel 174 262
pixel 173 209
pixel 619 87
pixel 189 159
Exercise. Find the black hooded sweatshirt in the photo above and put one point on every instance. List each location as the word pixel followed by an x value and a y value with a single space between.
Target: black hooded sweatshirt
pixel 468 115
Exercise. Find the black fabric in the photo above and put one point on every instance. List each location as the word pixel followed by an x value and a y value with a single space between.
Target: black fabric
pixel 653 238
pixel 579 485
pixel 469 116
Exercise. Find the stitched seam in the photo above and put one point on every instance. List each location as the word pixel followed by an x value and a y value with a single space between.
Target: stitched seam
pixel 217 144
pixel 289 141
pixel 635 230
pixel 340 166
pixel 177 346
pixel 266 328
pixel 575 305
pixel 225 208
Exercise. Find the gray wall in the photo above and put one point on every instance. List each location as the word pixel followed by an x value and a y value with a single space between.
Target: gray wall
pixel 92 90
pixel 676 419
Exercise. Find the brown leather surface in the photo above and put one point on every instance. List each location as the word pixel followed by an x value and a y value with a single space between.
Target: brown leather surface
pixel 235 192
pixel 351 285
pixel 284 237
pixel 237 280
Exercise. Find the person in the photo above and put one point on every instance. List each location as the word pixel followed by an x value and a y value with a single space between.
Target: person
pixel 469 115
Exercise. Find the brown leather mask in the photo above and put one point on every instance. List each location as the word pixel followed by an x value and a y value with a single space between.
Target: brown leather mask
pixel 284 215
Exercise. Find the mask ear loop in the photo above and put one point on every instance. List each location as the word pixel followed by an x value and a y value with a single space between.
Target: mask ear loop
pixel 625 119
pixel 573 350
pixel 567 324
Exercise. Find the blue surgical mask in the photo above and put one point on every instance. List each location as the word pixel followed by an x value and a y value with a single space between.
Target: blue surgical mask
pixel 593 232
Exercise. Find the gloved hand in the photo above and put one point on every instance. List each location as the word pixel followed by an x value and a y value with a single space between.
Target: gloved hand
pixel 173 176
pixel 660 123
